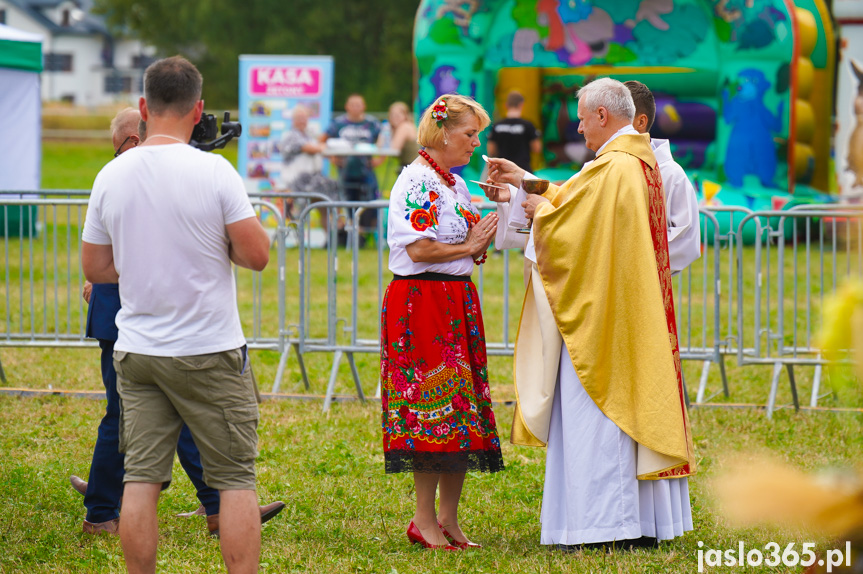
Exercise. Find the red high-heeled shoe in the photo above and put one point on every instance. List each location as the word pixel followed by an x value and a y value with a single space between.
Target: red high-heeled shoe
pixel 463 545
pixel 416 537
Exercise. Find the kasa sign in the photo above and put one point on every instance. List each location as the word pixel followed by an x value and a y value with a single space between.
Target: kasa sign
pixel 285 81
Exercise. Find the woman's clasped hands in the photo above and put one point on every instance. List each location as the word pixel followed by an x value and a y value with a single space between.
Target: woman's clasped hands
pixel 481 235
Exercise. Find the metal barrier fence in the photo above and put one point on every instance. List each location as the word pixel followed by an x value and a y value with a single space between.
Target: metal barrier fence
pixel 281 206
pixel 42 280
pixel 788 288
pixel 702 278
pixel 361 339
pixel 46 311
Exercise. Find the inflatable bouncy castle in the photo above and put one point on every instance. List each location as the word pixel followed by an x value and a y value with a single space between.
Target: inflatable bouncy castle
pixel 744 88
pixel 849 100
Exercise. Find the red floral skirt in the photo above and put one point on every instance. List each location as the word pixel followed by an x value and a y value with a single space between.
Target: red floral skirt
pixel 435 398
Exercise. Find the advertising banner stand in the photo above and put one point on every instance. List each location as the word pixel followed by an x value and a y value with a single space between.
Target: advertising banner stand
pixel 270 88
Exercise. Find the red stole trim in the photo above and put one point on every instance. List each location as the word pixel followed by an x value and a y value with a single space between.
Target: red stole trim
pixel 659 233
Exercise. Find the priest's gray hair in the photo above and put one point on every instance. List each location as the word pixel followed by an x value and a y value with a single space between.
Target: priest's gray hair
pixel 610 94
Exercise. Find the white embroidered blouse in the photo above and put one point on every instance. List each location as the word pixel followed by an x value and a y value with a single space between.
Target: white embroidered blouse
pixel 422 207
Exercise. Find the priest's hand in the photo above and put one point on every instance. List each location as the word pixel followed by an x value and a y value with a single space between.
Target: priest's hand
pixel 481 235
pixel 530 204
pixel 502 171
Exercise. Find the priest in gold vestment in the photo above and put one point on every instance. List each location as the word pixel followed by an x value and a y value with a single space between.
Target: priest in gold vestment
pixel 597 364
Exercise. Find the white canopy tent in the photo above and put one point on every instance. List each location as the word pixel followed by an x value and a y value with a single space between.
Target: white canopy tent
pixel 20 109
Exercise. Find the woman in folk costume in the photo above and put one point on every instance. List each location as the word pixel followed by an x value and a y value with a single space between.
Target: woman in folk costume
pixel 437 418
pixel 597 363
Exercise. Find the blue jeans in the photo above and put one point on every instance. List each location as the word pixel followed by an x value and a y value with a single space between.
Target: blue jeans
pixel 105 486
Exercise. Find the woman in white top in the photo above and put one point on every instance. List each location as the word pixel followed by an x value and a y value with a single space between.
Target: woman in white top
pixel 437 418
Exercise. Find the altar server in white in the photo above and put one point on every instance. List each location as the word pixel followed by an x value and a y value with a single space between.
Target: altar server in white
pixel 681 205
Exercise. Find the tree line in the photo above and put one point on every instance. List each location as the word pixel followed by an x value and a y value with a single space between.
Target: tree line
pixel 370 41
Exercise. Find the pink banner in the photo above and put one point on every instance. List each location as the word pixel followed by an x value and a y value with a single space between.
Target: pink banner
pixel 285 81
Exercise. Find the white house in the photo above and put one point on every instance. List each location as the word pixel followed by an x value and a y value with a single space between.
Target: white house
pixel 83 62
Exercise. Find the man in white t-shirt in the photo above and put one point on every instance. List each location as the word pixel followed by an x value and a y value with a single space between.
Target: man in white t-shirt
pixel 165 221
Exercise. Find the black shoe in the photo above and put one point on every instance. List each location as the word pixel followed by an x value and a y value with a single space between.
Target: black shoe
pixel 643 542
pixel 611 546
pixel 607 546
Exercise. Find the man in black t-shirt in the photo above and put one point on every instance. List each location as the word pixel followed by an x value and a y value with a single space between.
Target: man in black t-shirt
pixel 514 138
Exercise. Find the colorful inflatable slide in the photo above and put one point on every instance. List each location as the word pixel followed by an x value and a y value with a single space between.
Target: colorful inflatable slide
pixel 744 88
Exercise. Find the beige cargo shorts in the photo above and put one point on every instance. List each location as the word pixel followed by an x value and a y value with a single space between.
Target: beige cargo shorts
pixel 214 394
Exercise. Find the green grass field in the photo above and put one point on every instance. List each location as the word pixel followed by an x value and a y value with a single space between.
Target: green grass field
pixel 343 514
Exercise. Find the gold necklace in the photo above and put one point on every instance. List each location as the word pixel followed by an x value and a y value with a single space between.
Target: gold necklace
pixel 166 136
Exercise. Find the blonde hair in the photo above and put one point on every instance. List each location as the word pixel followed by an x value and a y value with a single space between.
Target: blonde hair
pixel 402 107
pixel 459 109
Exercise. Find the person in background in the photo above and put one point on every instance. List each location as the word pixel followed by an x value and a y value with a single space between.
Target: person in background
pixel 514 138
pixel 681 204
pixel 166 221
pixel 356 172
pixel 302 169
pixel 403 136
pixel 437 414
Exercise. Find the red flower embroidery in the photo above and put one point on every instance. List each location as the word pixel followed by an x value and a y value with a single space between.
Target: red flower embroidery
pixel 421 219
pixel 441 430
pixel 412 393
pixel 403 342
pixel 469 216
pixel 449 357
pixel 482 390
pixel 400 382
pixel 411 420
pixel 489 415
pixel 433 214
pixel 460 403
pixel 433 195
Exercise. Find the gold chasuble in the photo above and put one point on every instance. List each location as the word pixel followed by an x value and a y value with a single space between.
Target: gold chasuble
pixel 603 278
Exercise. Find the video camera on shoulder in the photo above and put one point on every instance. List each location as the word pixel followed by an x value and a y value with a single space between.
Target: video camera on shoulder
pixel 204 135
